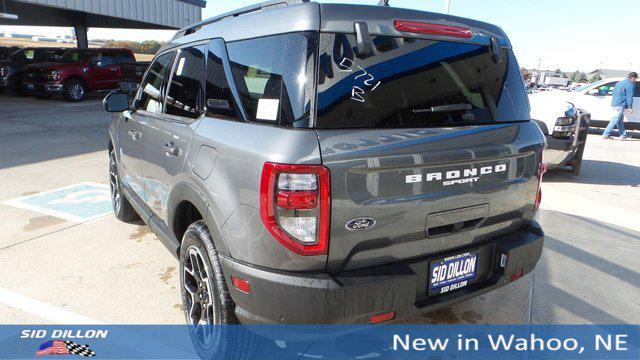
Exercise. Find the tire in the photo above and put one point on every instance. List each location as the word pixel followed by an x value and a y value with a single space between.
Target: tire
pixel 75 90
pixel 576 163
pixel 202 285
pixel 122 208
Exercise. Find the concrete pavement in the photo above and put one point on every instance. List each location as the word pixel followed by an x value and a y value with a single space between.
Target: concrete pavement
pixel 110 272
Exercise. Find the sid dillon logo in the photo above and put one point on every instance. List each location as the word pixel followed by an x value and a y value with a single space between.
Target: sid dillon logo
pixel 58 343
pixel 453 177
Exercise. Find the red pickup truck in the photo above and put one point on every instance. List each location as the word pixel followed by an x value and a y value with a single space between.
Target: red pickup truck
pixel 78 72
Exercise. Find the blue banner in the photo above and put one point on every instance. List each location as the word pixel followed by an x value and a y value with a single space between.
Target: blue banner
pixel 332 342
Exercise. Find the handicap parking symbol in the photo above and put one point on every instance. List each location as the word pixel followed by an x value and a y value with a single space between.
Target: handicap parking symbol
pixel 79 202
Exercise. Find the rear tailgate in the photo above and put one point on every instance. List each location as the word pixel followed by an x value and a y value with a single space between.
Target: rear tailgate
pixel 373 175
pixel 429 144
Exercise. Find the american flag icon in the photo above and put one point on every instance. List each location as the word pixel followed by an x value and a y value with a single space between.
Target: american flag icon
pixel 60 347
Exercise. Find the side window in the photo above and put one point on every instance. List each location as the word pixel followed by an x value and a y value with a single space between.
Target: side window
pixel 636 93
pixel 124 57
pixel 606 89
pixel 186 91
pixel 220 101
pixel 50 56
pixel 30 54
pixel 258 66
pixel 150 90
pixel 101 59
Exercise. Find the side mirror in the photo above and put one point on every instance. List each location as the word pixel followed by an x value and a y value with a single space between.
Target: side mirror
pixel 116 102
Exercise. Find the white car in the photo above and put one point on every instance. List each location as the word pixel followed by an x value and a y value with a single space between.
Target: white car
pixel 596 98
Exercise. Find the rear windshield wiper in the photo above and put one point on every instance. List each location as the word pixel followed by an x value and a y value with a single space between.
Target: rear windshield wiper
pixel 445 108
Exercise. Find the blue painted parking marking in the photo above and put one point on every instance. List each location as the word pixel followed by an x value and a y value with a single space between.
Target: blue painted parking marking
pixel 79 202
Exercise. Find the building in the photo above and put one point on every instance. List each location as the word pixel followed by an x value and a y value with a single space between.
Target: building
pixel 82 14
pixel 549 78
pixel 608 73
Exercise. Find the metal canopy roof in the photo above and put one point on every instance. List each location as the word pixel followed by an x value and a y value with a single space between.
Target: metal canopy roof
pixel 140 14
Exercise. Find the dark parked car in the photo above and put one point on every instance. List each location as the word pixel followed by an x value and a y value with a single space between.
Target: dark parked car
pixel 361 166
pixel 12 69
pixel 78 72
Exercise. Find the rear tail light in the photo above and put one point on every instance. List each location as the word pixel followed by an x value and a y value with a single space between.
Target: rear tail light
pixel 433 29
pixel 517 275
pixel 294 206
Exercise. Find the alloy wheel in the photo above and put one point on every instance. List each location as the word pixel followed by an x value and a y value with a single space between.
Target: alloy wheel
pixel 76 91
pixel 199 302
pixel 114 184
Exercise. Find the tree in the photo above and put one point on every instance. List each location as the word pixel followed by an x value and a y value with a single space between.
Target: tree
pixel 595 77
pixel 582 78
pixel 575 76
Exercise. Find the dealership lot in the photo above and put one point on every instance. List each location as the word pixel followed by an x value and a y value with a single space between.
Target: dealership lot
pixel 59 267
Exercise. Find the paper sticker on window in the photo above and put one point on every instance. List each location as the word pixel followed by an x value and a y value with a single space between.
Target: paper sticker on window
pixel 267 109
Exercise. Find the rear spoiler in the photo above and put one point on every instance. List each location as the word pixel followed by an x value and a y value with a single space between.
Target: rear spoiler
pixel 235 13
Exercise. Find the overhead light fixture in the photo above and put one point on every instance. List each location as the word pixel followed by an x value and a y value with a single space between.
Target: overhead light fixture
pixel 8 16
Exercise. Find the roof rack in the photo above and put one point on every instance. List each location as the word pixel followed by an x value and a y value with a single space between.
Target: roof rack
pixel 242 11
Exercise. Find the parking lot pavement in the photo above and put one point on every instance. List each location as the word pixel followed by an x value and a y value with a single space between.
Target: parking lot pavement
pixel 58 268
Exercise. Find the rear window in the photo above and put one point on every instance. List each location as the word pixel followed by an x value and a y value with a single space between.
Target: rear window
pixel 415 83
pixel 273 76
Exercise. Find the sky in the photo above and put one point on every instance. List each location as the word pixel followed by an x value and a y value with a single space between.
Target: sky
pixel 567 34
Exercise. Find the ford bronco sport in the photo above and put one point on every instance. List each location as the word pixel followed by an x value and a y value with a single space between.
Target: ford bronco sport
pixel 324 163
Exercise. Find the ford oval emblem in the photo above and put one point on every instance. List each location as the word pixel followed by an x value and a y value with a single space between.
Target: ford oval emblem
pixel 360 224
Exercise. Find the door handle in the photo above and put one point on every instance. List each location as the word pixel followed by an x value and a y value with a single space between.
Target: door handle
pixel 171 150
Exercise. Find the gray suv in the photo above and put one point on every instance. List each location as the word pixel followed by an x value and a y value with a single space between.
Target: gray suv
pixel 325 163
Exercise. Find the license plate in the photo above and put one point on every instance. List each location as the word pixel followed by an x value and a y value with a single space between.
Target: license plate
pixel 452 273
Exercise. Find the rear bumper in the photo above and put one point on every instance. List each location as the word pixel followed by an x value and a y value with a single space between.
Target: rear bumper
pixel 353 297
pixel 559 151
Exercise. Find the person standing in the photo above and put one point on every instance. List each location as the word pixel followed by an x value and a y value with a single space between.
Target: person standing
pixel 622 102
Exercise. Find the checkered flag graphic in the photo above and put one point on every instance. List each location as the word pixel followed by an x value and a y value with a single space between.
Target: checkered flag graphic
pixel 77 349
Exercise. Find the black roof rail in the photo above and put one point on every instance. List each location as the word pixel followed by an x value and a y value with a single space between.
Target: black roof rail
pixel 242 11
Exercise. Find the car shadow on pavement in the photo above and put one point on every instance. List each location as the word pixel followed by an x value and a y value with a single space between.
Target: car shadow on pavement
pixel 598 131
pixel 588 274
pixel 38 130
pixel 600 173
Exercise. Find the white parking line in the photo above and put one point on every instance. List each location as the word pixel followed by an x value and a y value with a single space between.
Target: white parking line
pixel 90 103
pixel 44 310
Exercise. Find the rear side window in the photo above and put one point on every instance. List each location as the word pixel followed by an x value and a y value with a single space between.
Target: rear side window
pixel 102 59
pixel 274 77
pixel 125 57
pixel 186 90
pixel 150 89
pixel 50 55
pixel 415 83
pixel 219 101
